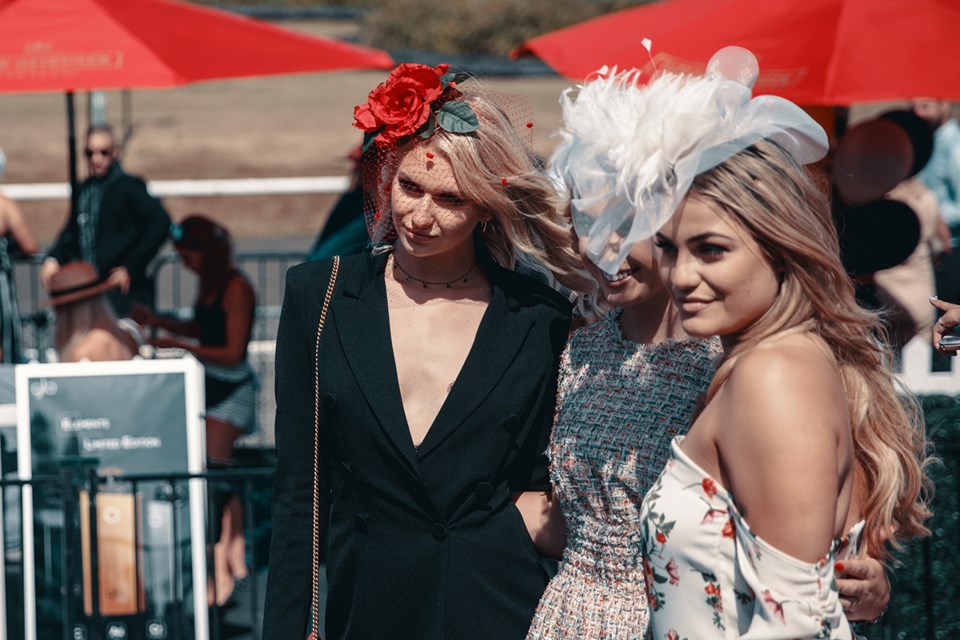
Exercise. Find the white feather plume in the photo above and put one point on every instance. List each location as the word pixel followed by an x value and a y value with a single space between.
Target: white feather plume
pixel 629 151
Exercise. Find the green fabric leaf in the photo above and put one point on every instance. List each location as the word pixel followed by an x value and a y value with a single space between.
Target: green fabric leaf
pixel 452 76
pixel 368 137
pixel 457 117
pixel 427 128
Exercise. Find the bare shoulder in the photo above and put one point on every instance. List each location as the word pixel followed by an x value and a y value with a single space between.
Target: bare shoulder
pixel 239 288
pixel 8 209
pixel 785 389
pixel 98 345
pixel 782 444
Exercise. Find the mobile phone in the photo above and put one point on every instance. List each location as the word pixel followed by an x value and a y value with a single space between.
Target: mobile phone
pixel 950 342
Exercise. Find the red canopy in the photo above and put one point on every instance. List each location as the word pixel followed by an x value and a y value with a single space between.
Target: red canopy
pixel 831 52
pixel 67 45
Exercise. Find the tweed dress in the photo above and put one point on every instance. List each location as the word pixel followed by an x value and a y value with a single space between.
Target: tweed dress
pixel 620 404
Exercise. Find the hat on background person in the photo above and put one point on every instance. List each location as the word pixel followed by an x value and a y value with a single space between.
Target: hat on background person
pixel 76 281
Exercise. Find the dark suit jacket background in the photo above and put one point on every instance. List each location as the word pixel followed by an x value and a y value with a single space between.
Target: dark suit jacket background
pixel 423 543
pixel 131 228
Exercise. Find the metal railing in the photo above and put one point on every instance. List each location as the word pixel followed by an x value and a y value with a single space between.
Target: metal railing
pixel 175 293
pixel 68 592
pixel 925 591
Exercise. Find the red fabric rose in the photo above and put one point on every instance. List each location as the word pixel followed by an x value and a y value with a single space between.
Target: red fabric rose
pixel 402 103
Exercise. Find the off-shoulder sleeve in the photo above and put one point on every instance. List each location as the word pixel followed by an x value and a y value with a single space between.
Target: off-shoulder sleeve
pixel 781 597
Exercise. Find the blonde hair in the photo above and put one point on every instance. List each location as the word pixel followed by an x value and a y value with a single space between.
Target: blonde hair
pixel 496 168
pixel 75 320
pixel 786 210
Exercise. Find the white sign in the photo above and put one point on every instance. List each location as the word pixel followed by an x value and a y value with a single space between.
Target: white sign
pixel 121 418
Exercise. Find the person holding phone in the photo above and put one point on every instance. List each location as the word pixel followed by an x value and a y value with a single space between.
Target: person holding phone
pixel 944 338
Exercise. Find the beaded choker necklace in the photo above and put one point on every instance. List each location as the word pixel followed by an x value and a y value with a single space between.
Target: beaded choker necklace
pixel 426 283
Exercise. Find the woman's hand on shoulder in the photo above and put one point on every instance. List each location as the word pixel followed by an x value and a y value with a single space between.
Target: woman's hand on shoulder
pixel 782 414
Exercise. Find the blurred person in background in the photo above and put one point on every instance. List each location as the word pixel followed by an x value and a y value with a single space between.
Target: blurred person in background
pixel 86 327
pixel 218 335
pixel 912 282
pixel 15 238
pixel 116 225
pixel 13 225
pixel 876 161
pixel 345 230
pixel 942 176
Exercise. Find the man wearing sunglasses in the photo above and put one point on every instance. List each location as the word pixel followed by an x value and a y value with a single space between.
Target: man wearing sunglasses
pixel 116 225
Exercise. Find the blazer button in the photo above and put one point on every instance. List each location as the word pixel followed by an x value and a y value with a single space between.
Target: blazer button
pixel 360 523
pixel 329 405
pixel 484 490
pixel 512 424
pixel 439 532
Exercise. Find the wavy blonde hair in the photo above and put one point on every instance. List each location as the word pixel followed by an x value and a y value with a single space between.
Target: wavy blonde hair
pixel 495 167
pixel 786 210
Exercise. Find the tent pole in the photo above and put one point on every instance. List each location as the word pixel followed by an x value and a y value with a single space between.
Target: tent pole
pixel 72 149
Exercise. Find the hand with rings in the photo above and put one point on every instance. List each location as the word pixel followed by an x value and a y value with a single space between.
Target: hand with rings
pixel 949 319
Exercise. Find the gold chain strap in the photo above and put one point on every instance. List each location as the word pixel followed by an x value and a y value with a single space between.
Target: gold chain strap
pixel 315 603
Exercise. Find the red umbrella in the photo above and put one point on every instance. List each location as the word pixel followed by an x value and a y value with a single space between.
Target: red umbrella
pixel 69 45
pixel 829 52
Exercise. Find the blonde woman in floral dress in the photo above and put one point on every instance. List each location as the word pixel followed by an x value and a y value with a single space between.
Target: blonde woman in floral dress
pixel 629 384
pixel 804 453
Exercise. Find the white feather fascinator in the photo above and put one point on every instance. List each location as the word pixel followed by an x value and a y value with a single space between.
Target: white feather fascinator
pixel 629 153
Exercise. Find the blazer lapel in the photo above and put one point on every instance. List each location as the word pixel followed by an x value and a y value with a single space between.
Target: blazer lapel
pixel 363 326
pixel 500 336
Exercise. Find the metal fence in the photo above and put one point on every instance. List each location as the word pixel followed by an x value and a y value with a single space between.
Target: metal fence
pixel 925 591
pixel 67 594
pixel 175 293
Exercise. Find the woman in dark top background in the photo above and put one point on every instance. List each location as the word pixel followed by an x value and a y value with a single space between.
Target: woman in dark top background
pixel 218 335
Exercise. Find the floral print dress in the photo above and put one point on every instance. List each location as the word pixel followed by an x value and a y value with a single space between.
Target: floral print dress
pixel 708 576
pixel 619 405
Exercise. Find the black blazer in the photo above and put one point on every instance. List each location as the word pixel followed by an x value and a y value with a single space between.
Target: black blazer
pixel 422 543
pixel 130 230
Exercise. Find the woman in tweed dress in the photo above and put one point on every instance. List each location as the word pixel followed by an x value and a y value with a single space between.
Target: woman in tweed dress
pixel 628 384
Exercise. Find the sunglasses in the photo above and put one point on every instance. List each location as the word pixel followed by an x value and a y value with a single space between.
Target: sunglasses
pixel 97 152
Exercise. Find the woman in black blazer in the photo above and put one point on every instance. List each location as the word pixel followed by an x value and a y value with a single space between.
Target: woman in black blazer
pixel 437 381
